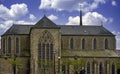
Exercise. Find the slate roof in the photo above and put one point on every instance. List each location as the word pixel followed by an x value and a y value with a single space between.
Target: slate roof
pixel 18 29
pixel 84 30
pixel 45 23
pixel 65 30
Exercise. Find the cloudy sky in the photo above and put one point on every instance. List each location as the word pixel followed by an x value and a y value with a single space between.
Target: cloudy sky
pixel 62 12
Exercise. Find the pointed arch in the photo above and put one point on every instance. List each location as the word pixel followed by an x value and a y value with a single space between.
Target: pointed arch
pixel 71 43
pixel 17 46
pixel 45 47
pixel 106 43
pixel 9 45
pixel 94 44
pixel 88 68
pixel 4 46
pixel 100 68
pixel 113 68
pixel 83 43
pixel 46 37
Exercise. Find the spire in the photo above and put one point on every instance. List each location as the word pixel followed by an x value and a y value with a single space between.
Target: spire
pixel 80 17
pixel 81 14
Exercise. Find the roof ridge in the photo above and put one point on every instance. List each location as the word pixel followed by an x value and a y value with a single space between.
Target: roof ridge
pixel 45 22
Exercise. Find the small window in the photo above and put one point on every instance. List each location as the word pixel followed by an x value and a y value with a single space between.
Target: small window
pixel 9 45
pixel 100 68
pixel 83 43
pixel 113 68
pixel 17 46
pixel 88 68
pixel 94 44
pixel 63 69
pixel 3 46
pixel 106 43
pixel 71 43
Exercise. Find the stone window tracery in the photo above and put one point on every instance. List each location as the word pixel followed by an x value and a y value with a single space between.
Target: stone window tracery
pixel 45 48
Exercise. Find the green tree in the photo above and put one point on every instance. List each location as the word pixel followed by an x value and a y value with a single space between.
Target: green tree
pixel 117 63
pixel 15 62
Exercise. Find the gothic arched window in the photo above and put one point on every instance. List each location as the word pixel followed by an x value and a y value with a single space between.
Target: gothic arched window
pixel 113 68
pixel 3 46
pixel 106 43
pixel 88 68
pixel 100 68
pixel 17 46
pixel 83 43
pixel 71 43
pixel 9 45
pixel 45 48
pixel 94 44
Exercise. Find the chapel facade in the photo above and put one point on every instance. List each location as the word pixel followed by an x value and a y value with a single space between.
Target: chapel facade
pixel 48 48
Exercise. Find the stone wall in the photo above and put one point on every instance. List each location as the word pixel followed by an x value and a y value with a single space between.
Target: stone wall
pixel 35 36
pixel 88 42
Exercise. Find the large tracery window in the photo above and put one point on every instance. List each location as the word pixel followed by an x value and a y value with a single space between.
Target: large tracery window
pixel 9 45
pixel 45 49
pixel 106 43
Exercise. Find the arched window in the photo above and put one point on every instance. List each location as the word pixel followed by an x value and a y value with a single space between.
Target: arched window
pixel 63 69
pixel 83 43
pixel 45 49
pixel 100 68
pixel 94 44
pixel 71 43
pixel 113 68
pixel 106 43
pixel 88 68
pixel 3 46
pixel 9 45
pixel 17 46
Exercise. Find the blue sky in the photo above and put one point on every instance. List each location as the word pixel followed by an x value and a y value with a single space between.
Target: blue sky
pixel 62 12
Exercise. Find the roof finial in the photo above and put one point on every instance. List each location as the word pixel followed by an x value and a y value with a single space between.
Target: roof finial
pixel 80 15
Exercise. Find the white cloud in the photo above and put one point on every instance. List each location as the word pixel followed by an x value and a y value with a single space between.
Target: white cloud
pixel 114 3
pixel 90 18
pixel 32 17
pixel 16 11
pixel 22 22
pixel 0 44
pixel 73 20
pixel 52 17
pixel 117 39
pixel 70 5
pixel 9 15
